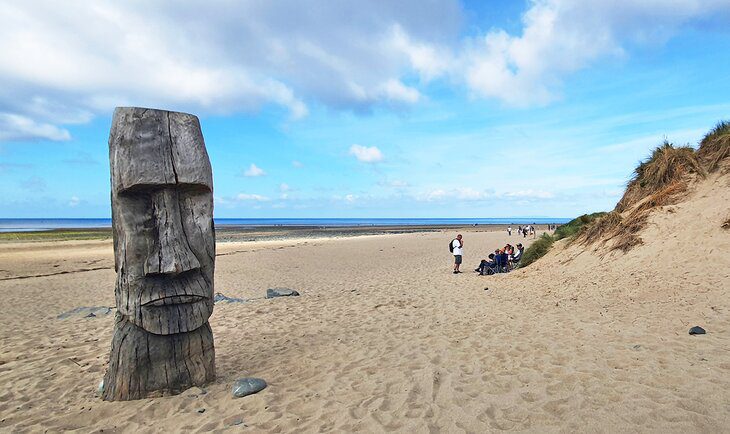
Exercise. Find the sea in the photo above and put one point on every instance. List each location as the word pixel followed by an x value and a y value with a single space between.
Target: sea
pixel 39 224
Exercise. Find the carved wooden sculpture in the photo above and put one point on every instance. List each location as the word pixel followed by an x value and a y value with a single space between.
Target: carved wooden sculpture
pixel 164 248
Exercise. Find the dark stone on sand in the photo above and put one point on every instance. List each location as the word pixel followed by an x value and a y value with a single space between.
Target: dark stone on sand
pixel 697 330
pixel 86 312
pixel 248 386
pixel 281 292
pixel 220 298
pixel 202 410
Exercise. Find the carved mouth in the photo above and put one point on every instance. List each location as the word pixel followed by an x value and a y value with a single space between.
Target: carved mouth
pixel 174 299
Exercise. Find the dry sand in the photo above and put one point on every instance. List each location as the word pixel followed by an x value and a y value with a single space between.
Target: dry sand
pixel 385 338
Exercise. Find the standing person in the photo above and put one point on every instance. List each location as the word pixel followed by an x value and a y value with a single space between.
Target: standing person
pixel 457 248
pixel 509 230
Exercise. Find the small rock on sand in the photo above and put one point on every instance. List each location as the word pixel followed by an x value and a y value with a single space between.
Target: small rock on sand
pixel 86 312
pixel 697 330
pixel 248 386
pixel 194 392
pixel 281 292
pixel 220 298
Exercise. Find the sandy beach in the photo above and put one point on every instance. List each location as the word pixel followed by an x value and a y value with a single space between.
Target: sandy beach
pixel 385 338
pixel 246 216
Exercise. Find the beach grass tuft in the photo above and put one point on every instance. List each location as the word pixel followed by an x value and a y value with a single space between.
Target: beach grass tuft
pixel 574 226
pixel 537 250
pixel 661 180
pixel 666 165
pixel 542 245
pixel 600 229
pixel 715 147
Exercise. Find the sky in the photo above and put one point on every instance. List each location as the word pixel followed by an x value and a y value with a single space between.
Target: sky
pixel 366 109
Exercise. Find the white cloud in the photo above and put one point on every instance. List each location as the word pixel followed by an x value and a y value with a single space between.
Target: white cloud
pixel 429 60
pixel 437 194
pixel 253 171
pixel 458 194
pixel 366 154
pixel 17 127
pixel 396 91
pixel 66 62
pixel 529 194
pixel 471 194
pixel 297 164
pixel 252 197
pixel 468 194
pixel 559 37
pixel 74 201
pixel 350 198
pixel 285 189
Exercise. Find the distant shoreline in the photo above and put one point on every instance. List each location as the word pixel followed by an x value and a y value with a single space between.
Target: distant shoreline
pixel 237 233
pixel 38 224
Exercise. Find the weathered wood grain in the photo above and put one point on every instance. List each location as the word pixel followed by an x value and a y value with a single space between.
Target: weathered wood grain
pixel 164 249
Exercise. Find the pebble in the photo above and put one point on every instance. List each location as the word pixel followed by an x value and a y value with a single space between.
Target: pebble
pixel 86 312
pixel 280 292
pixel 697 330
pixel 248 386
pixel 194 392
pixel 220 298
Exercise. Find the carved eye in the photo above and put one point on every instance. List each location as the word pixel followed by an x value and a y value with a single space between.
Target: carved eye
pixel 193 189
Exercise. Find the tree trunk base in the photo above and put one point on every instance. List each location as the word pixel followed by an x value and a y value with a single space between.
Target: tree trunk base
pixel 146 365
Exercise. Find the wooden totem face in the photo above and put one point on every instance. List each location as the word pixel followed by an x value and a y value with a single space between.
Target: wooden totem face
pixel 162 216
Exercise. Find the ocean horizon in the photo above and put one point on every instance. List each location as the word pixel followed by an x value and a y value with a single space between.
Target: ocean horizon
pixel 47 224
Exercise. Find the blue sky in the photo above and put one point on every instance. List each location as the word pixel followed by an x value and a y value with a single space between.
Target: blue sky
pixel 363 109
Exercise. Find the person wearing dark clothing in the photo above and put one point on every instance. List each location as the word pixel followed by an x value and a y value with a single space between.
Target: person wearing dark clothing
pixel 485 265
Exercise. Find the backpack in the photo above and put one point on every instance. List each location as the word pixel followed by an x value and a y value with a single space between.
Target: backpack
pixel 451 245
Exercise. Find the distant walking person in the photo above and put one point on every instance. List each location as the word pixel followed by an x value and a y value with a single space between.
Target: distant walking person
pixel 509 230
pixel 457 248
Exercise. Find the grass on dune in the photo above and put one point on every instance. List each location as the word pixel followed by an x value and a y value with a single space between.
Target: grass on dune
pixel 574 226
pixel 537 250
pixel 667 165
pixel 715 147
pixel 663 179
pixel 600 229
pixel 542 245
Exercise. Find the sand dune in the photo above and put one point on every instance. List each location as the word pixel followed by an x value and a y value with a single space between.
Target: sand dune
pixel 385 338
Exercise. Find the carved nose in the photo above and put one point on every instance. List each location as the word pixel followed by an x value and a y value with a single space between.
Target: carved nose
pixel 171 253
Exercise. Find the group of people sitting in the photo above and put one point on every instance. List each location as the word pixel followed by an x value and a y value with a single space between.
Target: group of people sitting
pixel 501 261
